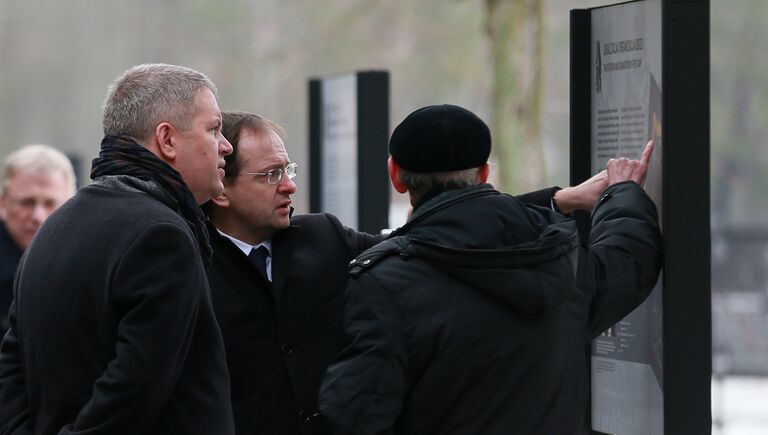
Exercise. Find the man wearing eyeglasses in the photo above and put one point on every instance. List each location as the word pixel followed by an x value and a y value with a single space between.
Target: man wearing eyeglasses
pixel 277 281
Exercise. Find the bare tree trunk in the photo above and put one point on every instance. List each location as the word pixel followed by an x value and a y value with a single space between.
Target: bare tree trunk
pixel 515 29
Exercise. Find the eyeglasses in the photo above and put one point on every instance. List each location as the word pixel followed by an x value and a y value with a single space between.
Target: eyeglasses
pixel 274 176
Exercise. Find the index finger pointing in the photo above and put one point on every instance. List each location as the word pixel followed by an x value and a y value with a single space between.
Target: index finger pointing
pixel 646 157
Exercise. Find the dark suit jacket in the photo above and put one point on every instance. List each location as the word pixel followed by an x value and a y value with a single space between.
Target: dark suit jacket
pixel 9 259
pixel 280 340
pixel 112 328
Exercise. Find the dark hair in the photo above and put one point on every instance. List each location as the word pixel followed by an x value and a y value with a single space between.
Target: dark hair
pixel 233 125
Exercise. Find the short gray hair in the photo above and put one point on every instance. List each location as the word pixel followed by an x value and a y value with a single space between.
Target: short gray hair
pixel 38 158
pixel 420 184
pixel 149 94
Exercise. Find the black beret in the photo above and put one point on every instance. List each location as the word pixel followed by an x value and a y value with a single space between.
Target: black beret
pixel 440 138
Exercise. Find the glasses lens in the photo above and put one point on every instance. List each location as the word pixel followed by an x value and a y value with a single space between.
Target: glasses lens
pixel 291 170
pixel 274 176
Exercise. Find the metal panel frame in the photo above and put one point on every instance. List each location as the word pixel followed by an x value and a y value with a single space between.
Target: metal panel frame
pixel 372 139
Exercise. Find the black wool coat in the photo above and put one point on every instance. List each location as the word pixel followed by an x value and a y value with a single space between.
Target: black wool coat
pixel 112 328
pixel 280 338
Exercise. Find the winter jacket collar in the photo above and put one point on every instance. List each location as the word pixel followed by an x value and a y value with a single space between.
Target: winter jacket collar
pixel 524 257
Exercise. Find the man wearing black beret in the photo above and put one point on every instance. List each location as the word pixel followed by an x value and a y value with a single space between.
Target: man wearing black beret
pixel 471 318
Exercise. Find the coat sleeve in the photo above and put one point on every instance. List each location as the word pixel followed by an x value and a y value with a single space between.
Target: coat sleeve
pixel 14 408
pixel 542 198
pixel 624 255
pixel 357 242
pixel 364 389
pixel 156 287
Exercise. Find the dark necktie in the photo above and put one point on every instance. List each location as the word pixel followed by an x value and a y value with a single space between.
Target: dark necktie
pixel 258 257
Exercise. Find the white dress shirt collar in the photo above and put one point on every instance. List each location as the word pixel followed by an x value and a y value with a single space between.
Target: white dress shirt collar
pixel 246 248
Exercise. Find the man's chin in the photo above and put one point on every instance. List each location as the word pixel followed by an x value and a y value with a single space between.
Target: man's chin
pixel 23 241
pixel 283 222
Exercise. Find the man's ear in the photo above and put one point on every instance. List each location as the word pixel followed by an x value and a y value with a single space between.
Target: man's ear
pixel 221 200
pixel 483 173
pixel 394 176
pixel 165 141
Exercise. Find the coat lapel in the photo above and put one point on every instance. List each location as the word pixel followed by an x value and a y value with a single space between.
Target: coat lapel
pixel 283 247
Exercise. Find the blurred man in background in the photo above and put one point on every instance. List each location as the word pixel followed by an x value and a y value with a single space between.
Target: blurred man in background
pixel 35 181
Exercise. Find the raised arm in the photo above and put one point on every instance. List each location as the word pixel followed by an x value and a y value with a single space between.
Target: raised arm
pixel 585 195
pixel 625 247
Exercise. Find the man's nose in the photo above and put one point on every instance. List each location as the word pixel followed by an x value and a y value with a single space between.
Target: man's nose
pixel 286 185
pixel 225 146
pixel 40 213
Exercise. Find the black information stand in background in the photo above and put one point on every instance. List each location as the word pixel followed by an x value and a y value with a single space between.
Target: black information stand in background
pixel 348 134
pixel 640 71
